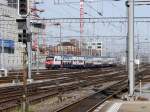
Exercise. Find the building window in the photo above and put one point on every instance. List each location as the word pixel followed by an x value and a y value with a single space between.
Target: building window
pixel 7 50
pixel 99 47
pixel 89 47
pixel 99 43
pixel 8 46
pixel 12 3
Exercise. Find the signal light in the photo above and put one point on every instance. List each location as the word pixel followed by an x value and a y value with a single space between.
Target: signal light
pixel 23 8
pixel 22 37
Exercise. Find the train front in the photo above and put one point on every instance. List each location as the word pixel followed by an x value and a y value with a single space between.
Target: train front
pixel 49 62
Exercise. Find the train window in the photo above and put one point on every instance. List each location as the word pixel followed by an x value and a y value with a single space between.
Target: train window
pixel 50 58
pixel 57 59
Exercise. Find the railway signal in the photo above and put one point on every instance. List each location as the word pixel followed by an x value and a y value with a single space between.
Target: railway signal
pixel 23 8
pixel 22 37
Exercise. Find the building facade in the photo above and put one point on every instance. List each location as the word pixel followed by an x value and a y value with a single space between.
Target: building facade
pixel 9 47
pixel 94 47
pixel 65 48
pixel 11 55
pixel 90 48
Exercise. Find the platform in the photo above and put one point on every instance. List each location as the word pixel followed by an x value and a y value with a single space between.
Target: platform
pixel 142 103
pixel 121 106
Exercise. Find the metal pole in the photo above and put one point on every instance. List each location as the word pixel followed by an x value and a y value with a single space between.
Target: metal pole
pixel 101 51
pixel 127 59
pixel 131 48
pixel 127 38
pixel 61 45
pixel 140 87
pixel 2 53
pixel 24 103
pixel 37 61
pixel 29 50
pixel 138 54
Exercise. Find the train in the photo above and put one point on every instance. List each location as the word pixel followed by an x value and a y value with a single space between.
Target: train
pixel 80 62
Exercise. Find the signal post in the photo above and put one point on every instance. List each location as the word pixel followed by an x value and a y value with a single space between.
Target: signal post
pixel 25 38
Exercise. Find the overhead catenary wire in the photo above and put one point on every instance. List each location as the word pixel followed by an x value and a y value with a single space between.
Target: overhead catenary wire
pixel 98 12
pixel 77 9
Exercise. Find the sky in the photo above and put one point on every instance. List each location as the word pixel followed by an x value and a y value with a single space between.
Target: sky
pixel 112 34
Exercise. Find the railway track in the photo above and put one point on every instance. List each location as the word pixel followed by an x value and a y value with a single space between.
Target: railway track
pixel 88 104
pixel 45 74
pixel 10 96
pixel 18 75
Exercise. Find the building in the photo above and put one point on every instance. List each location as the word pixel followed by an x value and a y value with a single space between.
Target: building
pixel 89 48
pixel 65 48
pixel 75 42
pixel 94 47
pixel 9 36
pixel 12 58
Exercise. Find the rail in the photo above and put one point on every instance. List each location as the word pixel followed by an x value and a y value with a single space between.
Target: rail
pixel 88 104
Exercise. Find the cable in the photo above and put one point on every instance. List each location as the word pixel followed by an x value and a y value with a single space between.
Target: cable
pixel 67 12
pixel 119 9
pixel 99 13
pixel 78 10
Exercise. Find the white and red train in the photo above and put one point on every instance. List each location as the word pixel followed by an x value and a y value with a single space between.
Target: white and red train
pixel 58 61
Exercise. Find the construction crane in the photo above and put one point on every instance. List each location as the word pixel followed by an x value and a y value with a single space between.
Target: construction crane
pixel 35 15
pixel 81 24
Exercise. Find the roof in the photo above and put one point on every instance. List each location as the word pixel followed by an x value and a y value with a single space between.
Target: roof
pixel 66 44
